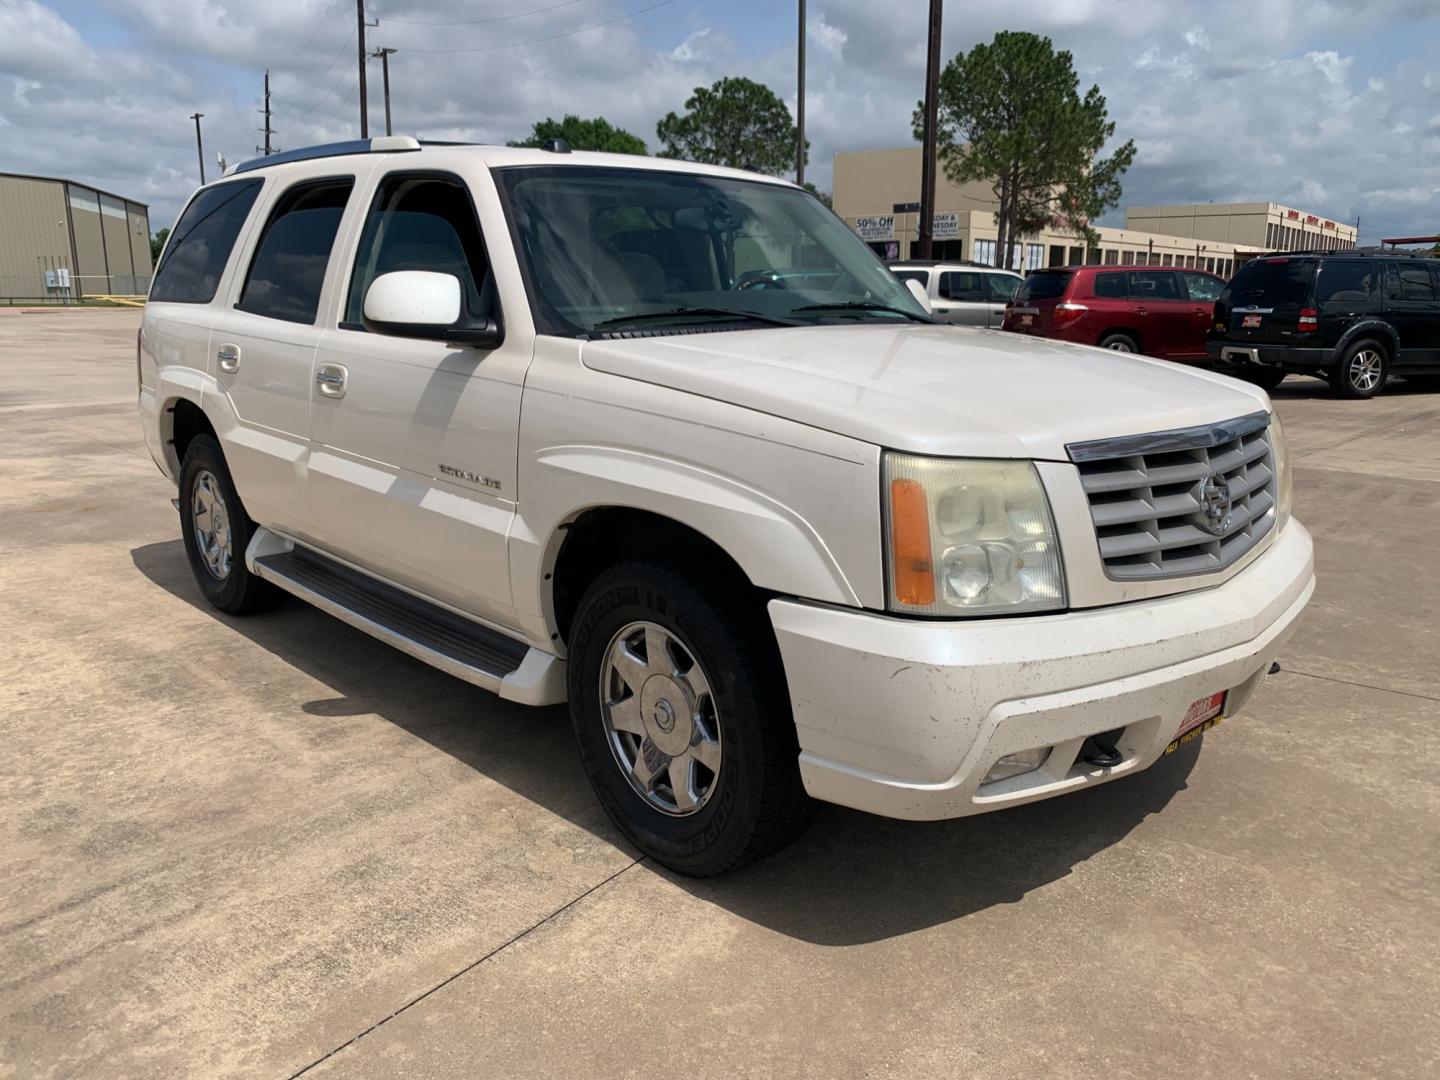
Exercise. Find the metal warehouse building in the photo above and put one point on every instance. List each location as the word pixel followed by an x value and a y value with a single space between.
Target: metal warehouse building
pixel 60 240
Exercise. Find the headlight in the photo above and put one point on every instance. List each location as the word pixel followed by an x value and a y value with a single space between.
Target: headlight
pixel 969 537
pixel 1281 453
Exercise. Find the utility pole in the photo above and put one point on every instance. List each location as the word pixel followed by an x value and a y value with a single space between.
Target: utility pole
pixel 199 146
pixel 927 154
pixel 800 103
pixel 267 150
pixel 364 107
pixel 384 55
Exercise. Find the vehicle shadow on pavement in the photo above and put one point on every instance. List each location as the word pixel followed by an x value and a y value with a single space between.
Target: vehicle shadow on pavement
pixel 1301 387
pixel 852 878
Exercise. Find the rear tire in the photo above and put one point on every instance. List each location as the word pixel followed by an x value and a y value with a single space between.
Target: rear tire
pixel 692 750
pixel 1119 341
pixel 1263 377
pixel 1361 372
pixel 216 531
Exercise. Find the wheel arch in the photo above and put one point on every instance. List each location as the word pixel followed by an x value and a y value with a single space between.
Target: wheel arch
pixel 182 420
pixel 1378 330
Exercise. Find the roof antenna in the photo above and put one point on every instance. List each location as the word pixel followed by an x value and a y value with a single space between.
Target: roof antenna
pixel 556 146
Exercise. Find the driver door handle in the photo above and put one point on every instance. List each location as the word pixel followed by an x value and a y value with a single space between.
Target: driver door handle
pixel 331 379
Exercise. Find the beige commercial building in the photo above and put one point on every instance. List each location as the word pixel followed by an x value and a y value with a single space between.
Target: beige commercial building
pixel 877 193
pixel 61 240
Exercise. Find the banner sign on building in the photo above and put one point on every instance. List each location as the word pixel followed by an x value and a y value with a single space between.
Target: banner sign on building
pixel 947 225
pixel 878 227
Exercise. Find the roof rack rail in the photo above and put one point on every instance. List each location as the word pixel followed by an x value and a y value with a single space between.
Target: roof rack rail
pixel 382 144
pixel 1346 253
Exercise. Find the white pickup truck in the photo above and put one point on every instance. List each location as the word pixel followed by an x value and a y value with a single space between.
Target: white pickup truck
pixel 517 413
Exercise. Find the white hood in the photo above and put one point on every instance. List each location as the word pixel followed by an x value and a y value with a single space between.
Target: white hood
pixel 944 390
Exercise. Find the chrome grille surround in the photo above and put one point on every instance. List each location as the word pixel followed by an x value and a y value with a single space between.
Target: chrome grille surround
pixel 1146 496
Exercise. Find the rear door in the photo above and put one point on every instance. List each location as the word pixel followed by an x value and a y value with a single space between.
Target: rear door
pixel 1002 289
pixel 413 462
pixel 263 343
pixel 1162 311
pixel 1413 302
pixel 1346 290
pixel 1262 303
pixel 963 297
pixel 1202 290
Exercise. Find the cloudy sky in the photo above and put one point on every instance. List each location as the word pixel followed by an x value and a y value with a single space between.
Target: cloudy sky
pixel 1329 105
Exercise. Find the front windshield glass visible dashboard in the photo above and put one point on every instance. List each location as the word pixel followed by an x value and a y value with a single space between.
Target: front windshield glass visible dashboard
pixel 614 250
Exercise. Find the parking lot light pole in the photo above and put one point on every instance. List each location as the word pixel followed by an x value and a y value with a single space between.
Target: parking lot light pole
pixel 927 156
pixel 800 103
pixel 199 147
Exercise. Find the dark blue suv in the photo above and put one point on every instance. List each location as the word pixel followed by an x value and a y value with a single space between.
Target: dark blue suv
pixel 1354 318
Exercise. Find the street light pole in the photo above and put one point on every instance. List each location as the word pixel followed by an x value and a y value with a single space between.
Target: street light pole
pixel 800 102
pixel 364 105
pixel 927 154
pixel 384 55
pixel 199 146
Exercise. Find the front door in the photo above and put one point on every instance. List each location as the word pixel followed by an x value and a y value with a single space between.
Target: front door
pixel 413 458
pixel 1203 290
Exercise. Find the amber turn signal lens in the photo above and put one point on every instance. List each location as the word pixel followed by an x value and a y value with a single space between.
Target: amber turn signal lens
pixel 914 570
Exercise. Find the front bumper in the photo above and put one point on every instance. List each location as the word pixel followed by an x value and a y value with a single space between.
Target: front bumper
pixel 1241 353
pixel 904 717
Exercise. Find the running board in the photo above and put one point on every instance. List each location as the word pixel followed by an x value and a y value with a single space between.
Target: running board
pixel 441 638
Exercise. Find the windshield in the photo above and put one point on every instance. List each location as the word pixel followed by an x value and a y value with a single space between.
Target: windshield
pixel 639 251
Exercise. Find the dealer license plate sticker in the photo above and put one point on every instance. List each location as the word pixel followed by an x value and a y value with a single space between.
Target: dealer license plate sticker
pixel 1199 718
pixel 1250 322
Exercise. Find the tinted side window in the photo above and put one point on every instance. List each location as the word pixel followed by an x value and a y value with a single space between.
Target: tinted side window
pixel 1203 288
pixel 1410 281
pixel 1002 286
pixel 958 286
pixel 1343 281
pixel 422 223
pixel 1110 286
pixel 189 271
pixel 1153 285
pixel 288 268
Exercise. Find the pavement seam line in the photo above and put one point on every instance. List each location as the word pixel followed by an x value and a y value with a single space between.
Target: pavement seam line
pixel 469 967
pixel 1382 426
pixel 1351 682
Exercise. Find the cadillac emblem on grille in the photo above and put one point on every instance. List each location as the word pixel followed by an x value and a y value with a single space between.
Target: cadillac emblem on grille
pixel 1214 497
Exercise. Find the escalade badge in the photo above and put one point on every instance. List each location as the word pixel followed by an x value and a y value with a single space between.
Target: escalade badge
pixel 1215 506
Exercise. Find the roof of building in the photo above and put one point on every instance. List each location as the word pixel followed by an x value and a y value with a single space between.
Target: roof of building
pixel 74 183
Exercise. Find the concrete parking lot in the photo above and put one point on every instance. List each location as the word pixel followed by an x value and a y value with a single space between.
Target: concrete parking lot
pixel 272 846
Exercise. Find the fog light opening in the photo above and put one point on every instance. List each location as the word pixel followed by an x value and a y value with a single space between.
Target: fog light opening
pixel 1017 764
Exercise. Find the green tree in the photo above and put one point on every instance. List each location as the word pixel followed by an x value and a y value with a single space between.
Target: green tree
pixel 1011 113
pixel 737 122
pixel 157 245
pixel 823 196
pixel 581 134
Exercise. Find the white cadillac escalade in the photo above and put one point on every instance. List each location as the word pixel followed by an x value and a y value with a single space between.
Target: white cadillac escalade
pixel 669 443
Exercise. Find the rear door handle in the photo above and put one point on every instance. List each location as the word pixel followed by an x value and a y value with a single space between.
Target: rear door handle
pixel 331 379
pixel 1141 311
pixel 229 358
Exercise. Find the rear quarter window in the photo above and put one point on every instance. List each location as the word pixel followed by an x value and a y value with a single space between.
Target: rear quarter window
pixel 1110 286
pixel 1046 286
pixel 193 260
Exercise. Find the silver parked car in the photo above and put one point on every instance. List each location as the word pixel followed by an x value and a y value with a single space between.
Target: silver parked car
pixel 969 294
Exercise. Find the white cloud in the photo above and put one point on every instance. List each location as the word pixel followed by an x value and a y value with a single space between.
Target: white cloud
pixel 1301 101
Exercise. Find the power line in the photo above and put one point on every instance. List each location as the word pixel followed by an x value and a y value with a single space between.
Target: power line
pixel 301 51
pixel 344 47
pixel 478 22
pixel 550 37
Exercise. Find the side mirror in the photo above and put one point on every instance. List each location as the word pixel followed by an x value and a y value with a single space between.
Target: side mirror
pixel 424 304
pixel 918 291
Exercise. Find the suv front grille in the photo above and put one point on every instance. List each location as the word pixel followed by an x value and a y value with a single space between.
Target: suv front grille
pixel 1158 500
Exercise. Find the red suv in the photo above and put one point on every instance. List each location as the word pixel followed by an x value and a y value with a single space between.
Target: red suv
pixel 1157 310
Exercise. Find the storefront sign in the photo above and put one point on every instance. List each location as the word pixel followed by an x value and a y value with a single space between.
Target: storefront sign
pixel 878 227
pixel 947 226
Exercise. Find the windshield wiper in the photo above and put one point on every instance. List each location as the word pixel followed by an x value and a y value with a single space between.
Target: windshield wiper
pixel 671 313
pixel 865 305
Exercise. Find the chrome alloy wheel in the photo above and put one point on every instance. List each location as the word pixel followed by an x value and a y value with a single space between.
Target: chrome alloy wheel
pixel 1364 370
pixel 211 525
pixel 1120 344
pixel 660 718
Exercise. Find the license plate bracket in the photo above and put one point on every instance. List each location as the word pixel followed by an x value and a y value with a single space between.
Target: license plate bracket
pixel 1251 322
pixel 1202 715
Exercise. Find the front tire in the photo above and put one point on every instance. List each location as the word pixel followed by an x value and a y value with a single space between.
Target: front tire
pixel 683 720
pixel 217 531
pixel 1361 373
